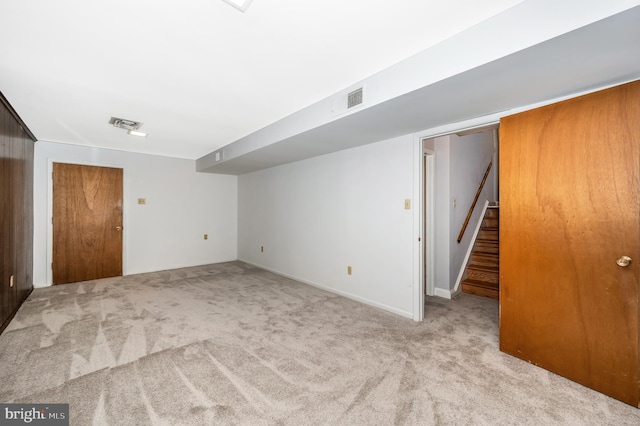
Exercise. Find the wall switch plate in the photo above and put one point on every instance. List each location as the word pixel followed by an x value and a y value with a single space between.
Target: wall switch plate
pixel 349 270
pixel 407 204
pixel 142 201
pixel 206 236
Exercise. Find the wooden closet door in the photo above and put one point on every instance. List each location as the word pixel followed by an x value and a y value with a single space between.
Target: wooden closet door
pixel 569 181
pixel 87 222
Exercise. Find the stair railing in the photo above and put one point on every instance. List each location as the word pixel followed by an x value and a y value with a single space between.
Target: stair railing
pixel 475 200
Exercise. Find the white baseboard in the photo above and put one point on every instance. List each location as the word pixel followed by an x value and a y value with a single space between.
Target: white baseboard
pixel 366 301
pixel 441 292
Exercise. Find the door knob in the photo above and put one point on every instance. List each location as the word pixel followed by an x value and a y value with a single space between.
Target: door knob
pixel 118 228
pixel 623 261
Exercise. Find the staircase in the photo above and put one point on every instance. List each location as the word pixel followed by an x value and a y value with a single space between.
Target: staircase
pixel 482 273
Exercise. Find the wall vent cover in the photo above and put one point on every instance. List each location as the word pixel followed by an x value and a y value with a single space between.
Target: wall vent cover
pixel 354 98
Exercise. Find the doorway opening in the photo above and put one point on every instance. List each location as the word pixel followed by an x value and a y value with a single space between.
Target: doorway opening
pixel 452 166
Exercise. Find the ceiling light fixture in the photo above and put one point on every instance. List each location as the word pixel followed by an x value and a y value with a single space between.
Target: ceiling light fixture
pixel 241 5
pixel 137 133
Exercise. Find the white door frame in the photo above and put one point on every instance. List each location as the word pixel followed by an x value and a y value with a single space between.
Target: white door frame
pixel 428 215
pixel 419 213
pixel 424 248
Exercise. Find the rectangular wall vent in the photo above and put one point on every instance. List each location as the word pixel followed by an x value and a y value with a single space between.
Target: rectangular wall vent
pixel 354 98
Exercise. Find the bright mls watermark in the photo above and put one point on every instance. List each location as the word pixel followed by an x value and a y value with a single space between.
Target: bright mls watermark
pixel 34 414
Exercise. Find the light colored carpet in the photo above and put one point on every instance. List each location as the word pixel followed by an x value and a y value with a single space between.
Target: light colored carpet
pixel 233 344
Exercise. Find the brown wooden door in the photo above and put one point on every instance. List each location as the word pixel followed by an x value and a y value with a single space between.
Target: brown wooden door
pixel 87 222
pixel 569 210
pixel 16 212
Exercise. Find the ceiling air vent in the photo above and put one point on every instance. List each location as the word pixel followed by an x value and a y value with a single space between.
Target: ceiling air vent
pixel 123 123
pixel 354 98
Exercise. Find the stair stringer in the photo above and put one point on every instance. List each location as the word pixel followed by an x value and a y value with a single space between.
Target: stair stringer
pixel 456 288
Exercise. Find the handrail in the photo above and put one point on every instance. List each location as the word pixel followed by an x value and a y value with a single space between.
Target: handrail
pixel 475 200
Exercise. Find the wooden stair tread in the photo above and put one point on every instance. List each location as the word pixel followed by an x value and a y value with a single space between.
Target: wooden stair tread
pixel 486 253
pixel 488 240
pixel 489 260
pixel 487 244
pixel 484 268
pixel 489 230
pixel 484 276
pixel 478 283
pixel 492 293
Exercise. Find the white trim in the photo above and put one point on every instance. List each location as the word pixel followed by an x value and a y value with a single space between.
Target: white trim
pixel 463 126
pixel 388 308
pixel 418 253
pixel 445 294
pixel 424 242
pixel 125 206
pixel 470 249
pixel 429 237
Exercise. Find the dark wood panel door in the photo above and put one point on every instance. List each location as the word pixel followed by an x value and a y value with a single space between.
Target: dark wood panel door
pixel 87 222
pixel 16 212
pixel 8 296
pixel 26 215
pixel 569 186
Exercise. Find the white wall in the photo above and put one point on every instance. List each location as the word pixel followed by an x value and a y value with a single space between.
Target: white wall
pixel 470 156
pixel 317 216
pixel 460 164
pixel 442 216
pixel 167 232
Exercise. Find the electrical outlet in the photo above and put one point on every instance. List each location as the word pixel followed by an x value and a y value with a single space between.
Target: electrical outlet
pixel 348 270
pixel 142 201
pixel 206 236
pixel 407 204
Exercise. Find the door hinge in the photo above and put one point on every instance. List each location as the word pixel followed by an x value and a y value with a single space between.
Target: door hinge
pixel 51 265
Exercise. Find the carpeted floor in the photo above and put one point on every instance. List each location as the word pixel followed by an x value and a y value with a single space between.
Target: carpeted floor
pixel 233 344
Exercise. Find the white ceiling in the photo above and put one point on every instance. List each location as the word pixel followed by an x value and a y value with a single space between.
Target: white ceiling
pixel 601 54
pixel 198 73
